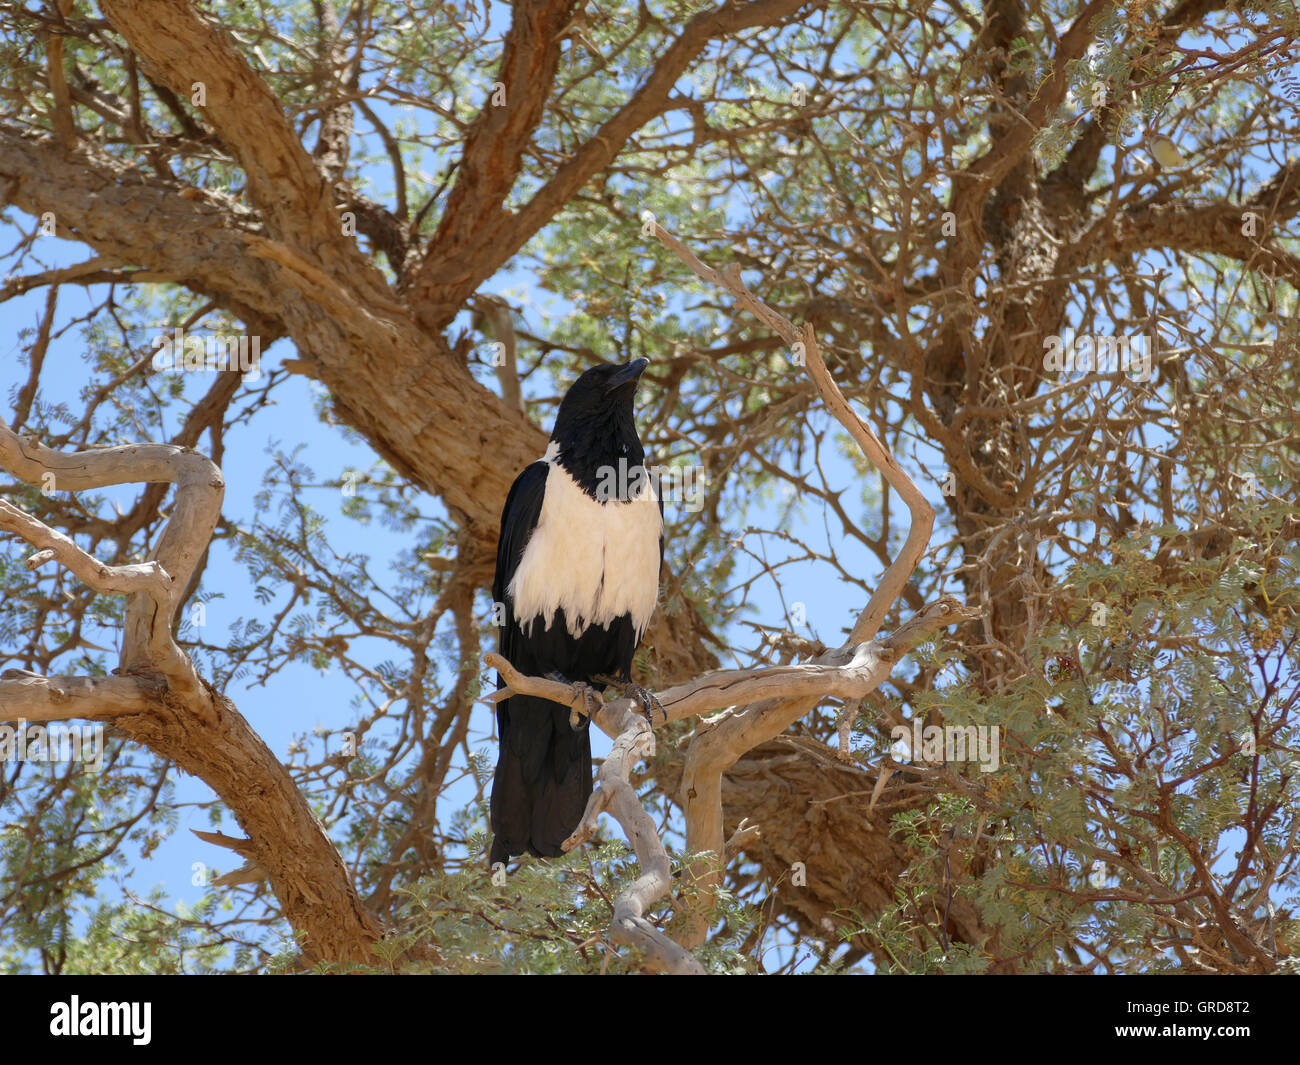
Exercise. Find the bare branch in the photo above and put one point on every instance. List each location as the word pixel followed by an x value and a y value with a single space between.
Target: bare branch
pixel 154 587
pixel 35 698
pixel 147 578
pixel 805 343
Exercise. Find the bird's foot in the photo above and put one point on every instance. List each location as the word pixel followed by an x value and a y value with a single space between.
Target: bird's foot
pixel 590 700
pixel 644 696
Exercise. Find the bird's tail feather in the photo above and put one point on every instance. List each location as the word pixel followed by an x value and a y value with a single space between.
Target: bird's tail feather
pixel 542 781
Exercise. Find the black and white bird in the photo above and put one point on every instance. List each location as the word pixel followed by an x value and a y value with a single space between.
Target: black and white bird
pixel 576 582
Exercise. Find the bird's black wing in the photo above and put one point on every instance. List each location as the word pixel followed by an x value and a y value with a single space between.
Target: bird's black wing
pixel 518 520
pixel 543 775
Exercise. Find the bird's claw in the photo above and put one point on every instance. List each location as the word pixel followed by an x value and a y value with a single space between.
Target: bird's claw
pixel 644 696
pixel 590 700
pixel 649 703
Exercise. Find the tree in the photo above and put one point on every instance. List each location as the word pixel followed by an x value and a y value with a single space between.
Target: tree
pixel 1075 345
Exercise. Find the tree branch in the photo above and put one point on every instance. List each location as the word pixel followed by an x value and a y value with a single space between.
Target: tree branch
pixel 180 47
pixel 153 587
pixel 453 269
pixel 35 698
pixel 849 672
pixel 159 700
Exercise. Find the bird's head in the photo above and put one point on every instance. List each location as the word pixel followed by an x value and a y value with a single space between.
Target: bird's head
pixel 600 401
pixel 595 424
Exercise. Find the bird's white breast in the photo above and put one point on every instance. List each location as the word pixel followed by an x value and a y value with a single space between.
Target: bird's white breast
pixel 596 560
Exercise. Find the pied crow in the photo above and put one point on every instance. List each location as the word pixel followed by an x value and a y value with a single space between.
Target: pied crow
pixel 576 582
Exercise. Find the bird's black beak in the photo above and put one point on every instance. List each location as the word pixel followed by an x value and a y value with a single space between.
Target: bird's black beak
pixel 630 372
